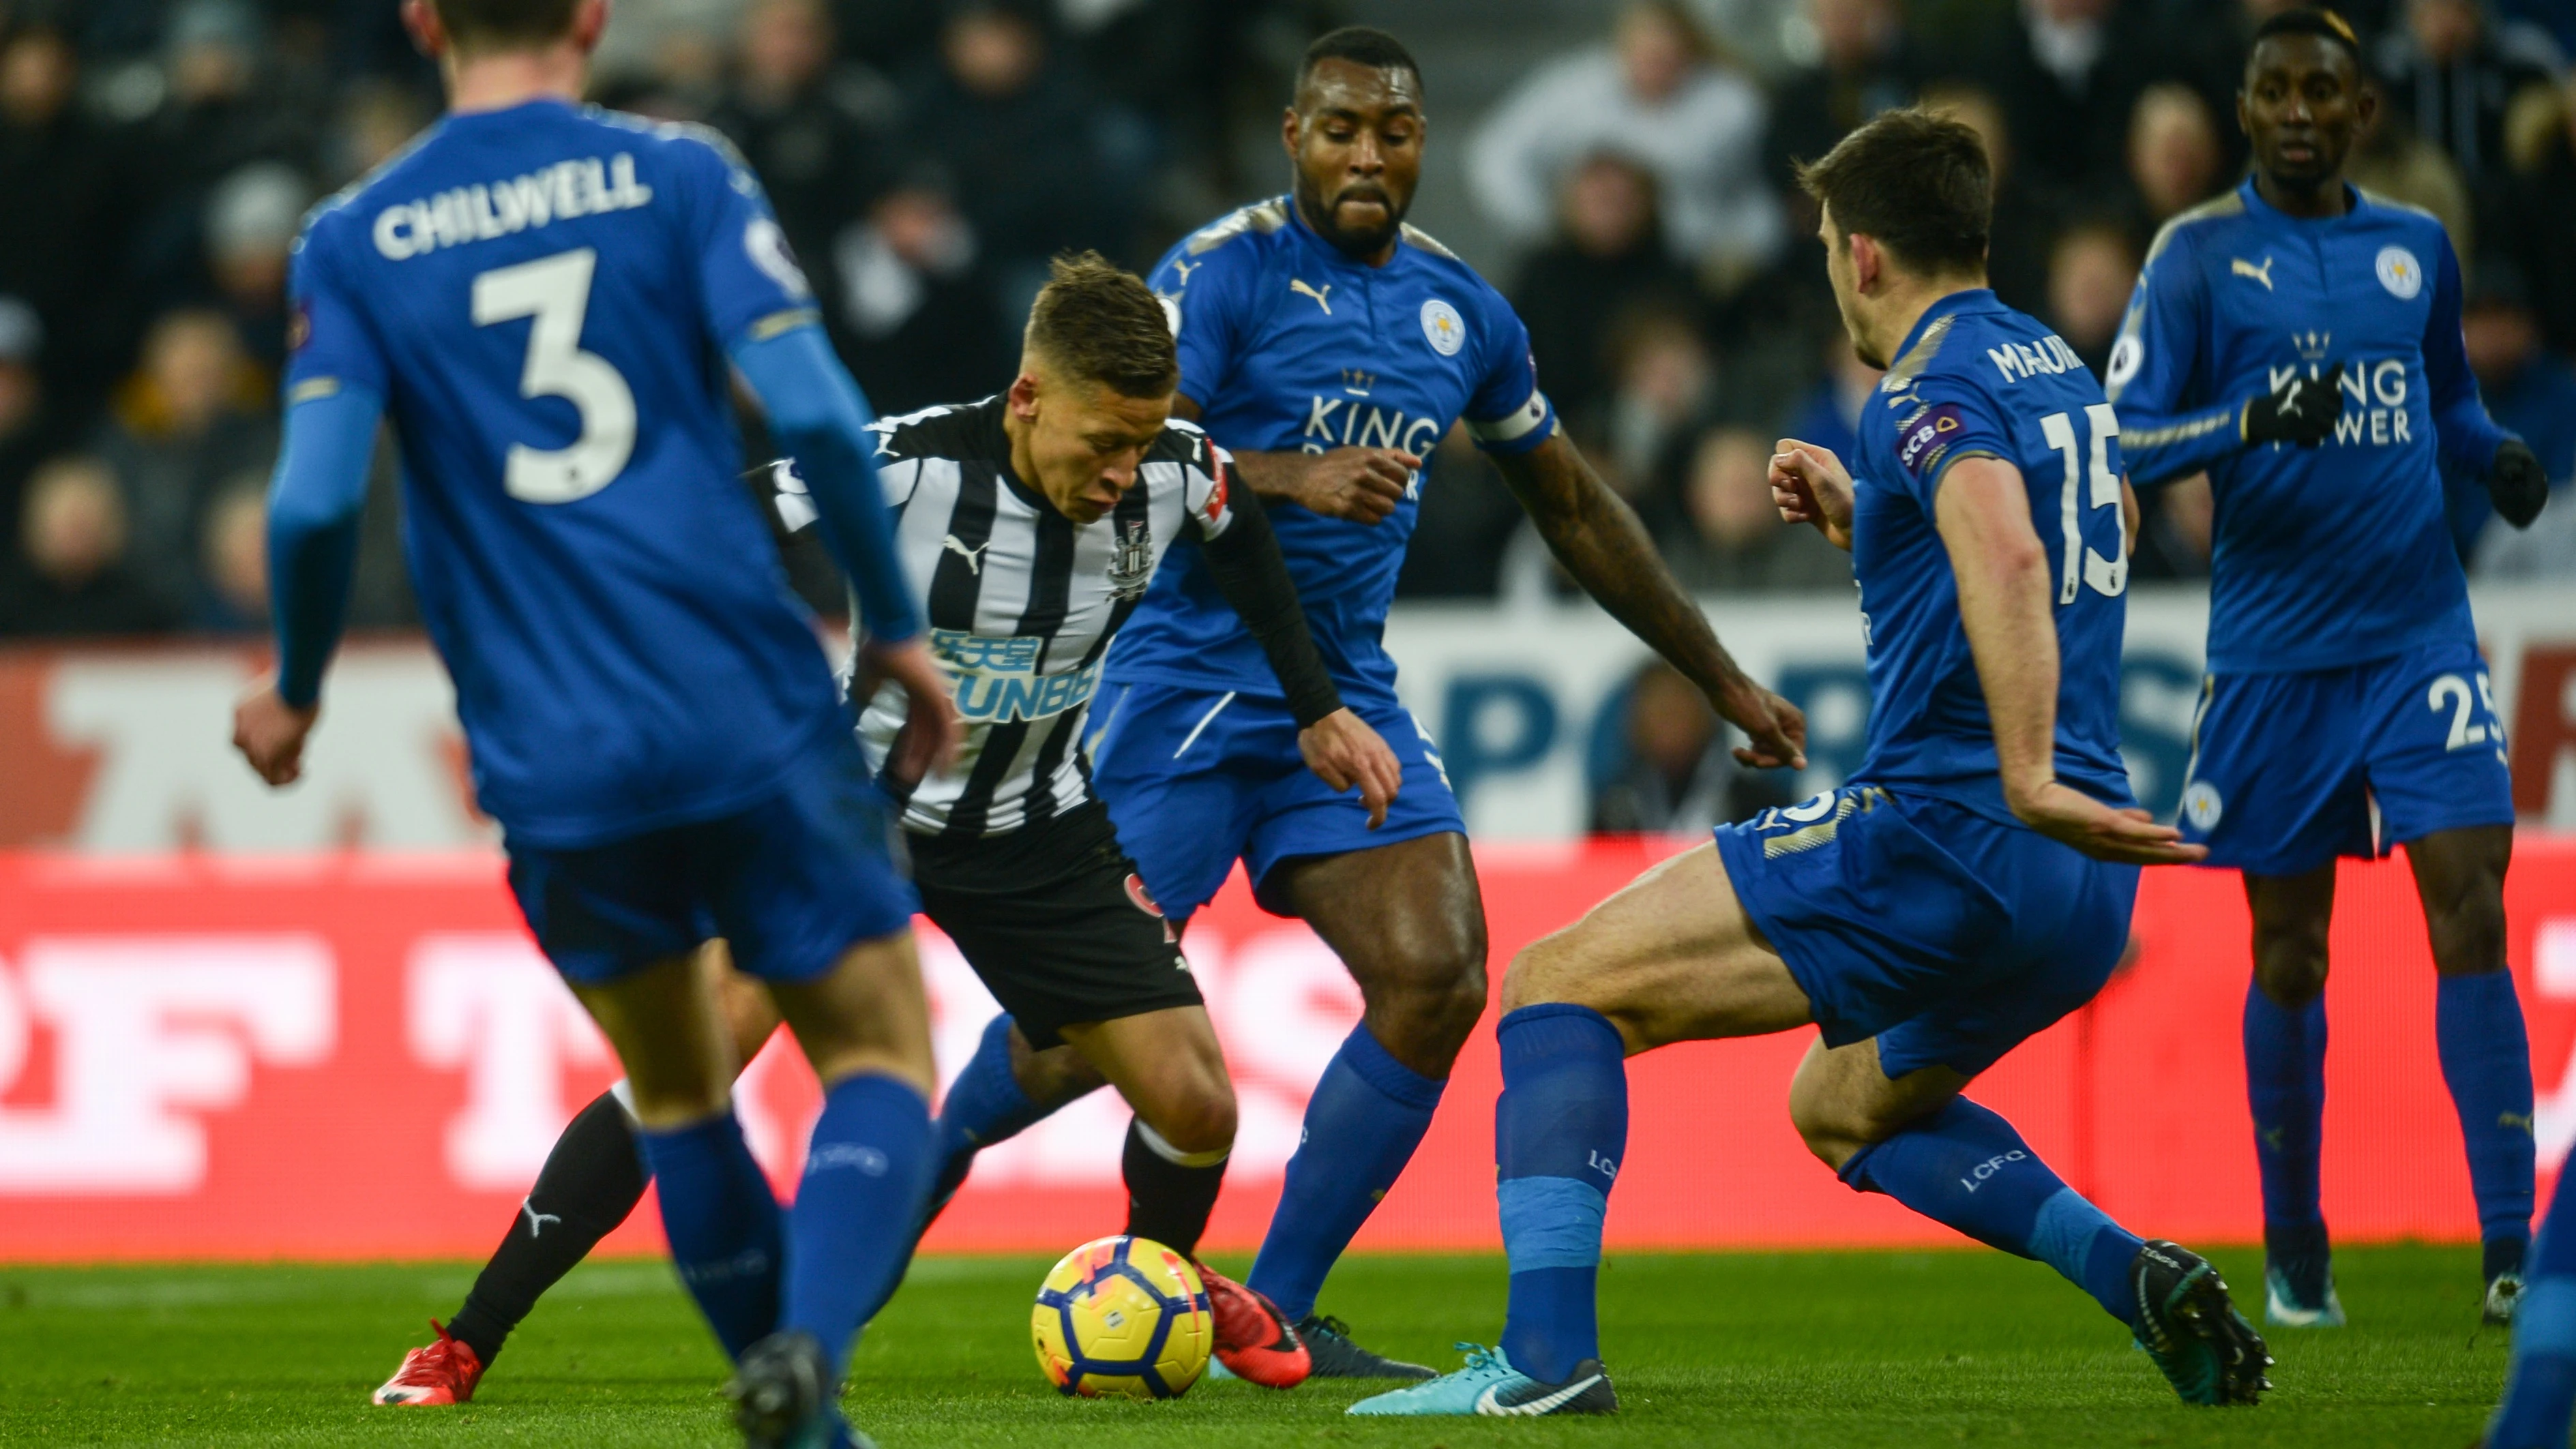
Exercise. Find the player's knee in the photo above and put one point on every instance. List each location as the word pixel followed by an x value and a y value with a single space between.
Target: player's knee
pixel 1431 995
pixel 1544 972
pixel 1200 1117
pixel 2290 961
pixel 2468 934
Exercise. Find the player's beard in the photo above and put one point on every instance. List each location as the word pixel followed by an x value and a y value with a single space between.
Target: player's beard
pixel 1344 240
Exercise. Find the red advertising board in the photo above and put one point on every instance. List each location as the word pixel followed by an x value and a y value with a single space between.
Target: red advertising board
pixel 360 1055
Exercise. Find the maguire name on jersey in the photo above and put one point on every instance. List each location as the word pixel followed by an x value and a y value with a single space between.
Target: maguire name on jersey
pixel 1021 603
pixel 1288 345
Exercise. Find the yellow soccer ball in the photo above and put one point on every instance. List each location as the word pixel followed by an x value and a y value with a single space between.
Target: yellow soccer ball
pixel 1123 1316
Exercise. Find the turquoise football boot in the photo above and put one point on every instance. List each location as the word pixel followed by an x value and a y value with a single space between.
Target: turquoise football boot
pixel 1490 1386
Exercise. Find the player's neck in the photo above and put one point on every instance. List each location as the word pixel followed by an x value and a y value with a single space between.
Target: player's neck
pixel 2328 198
pixel 499 79
pixel 1901 307
pixel 1024 458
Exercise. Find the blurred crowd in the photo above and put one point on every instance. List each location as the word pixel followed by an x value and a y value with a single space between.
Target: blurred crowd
pixel 927 156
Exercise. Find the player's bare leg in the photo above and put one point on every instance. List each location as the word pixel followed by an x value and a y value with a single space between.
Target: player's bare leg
pixel 2285 1085
pixel 1676 957
pixel 2486 1053
pixel 1408 920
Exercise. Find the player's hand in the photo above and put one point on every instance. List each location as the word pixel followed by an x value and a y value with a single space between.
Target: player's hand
pixel 1345 753
pixel 2517 483
pixel 1361 485
pixel 1809 485
pixel 2129 835
pixel 2301 410
pixel 1777 728
pixel 930 733
pixel 270 733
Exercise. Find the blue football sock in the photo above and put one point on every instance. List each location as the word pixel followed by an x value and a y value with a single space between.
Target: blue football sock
pixel 2285 1084
pixel 723 1226
pixel 865 1173
pixel 2540 1391
pixel 984 1105
pixel 2486 1060
pixel 1966 1167
pixel 1560 1132
pixel 1367 1115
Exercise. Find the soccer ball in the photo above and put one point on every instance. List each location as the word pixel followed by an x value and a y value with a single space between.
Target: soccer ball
pixel 1123 1316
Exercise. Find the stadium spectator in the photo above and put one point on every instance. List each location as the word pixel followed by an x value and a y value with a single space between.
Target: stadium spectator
pixel 232 558
pixel 71 578
pixel 2068 72
pixel 1735 542
pixel 2453 77
pixel 667 45
pixel 2533 392
pixel 1658 93
pixel 1004 111
pixel 2538 209
pixel 2396 162
pixel 2091 271
pixel 188 418
pixel 251 221
pixel 1607 259
pixel 1668 770
pixel 69 213
pixel 815 132
pixel 916 314
pixel 2025 214
pixel 376 119
pixel 1864 65
pixel 2174 154
pixel 1663 382
pixel 31 427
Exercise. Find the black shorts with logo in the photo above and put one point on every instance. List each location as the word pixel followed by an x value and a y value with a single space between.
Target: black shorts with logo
pixel 1055 921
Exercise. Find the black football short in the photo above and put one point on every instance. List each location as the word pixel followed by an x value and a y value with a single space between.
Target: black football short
pixel 1054 920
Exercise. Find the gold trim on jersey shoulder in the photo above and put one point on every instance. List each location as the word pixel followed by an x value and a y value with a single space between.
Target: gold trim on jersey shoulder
pixel 1901 375
pixel 2229 204
pixel 1261 216
pixel 779 324
pixel 313 389
pixel 1417 237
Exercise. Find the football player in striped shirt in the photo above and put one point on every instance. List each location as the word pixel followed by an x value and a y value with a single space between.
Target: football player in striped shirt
pixel 1033 521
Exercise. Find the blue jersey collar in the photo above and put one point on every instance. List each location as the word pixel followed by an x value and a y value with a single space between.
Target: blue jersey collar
pixel 2272 215
pixel 1956 302
pixel 1313 241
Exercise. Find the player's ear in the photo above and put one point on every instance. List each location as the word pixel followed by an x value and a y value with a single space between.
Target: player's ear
pixel 1288 132
pixel 428 33
pixel 589 23
pixel 1866 260
pixel 1024 395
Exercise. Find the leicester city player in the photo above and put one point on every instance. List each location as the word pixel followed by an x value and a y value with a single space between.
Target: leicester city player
pixel 2540 1393
pixel 2300 340
pixel 1971 885
pixel 544 299
pixel 1329 346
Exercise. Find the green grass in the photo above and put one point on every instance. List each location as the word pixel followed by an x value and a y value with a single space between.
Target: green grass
pixel 1841 1349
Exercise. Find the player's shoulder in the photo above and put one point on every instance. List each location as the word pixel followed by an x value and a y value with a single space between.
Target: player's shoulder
pixel 2388 214
pixel 1185 442
pixel 955 431
pixel 1245 236
pixel 2183 235
pixel 397 177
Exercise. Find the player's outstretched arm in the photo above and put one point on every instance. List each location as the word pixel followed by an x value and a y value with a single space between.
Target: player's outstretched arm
pixel 315 500
pixel 817 415
pixel 2006 605
pixel 1810 485
pixel 1597 536
pixel 1357 485
pixel 1338 745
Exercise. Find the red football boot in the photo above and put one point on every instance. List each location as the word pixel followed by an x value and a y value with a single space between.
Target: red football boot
pixel 444 1372
pixel 1254 1340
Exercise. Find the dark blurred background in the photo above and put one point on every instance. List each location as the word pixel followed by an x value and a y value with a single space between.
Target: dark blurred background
pixel 1623 173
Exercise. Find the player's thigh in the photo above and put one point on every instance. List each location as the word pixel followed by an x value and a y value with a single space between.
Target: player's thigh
pixel 2276 783
pixel 748 1010
pixel 2459 876
pixel 1843 1100
pixel 670 1034
pixel 1181 775
pixel 2436 755
pixel 1406 917
pixel 1169 1067
pixel 867 1014
pixel 1672 957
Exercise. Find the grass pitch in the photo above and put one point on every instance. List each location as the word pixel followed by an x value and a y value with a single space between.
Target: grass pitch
pixel 1842 1349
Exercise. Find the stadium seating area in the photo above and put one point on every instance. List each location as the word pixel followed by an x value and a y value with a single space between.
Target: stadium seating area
pixel 1626 177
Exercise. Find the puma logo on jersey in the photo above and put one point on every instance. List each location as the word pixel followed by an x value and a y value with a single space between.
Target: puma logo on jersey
pixel 974 556
pixel 1296 285
pixel 2263 273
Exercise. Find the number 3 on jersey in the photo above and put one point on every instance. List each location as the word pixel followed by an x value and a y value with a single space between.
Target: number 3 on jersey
pixel 2084 566
pixel 556 292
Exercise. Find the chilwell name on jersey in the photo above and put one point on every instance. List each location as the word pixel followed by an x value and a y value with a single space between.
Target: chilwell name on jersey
pixel 997 679
pixel 588 186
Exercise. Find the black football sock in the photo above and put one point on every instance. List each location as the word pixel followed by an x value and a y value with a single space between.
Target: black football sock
pixel 1169 1192
pixel 591 1181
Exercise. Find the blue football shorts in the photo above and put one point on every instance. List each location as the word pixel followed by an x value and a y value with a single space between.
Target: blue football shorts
pixel 790 883
pixel 1195 778
pixel 1948 936
pixel 2290 770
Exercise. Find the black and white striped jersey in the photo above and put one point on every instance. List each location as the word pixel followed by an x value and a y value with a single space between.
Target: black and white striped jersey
pixel 1021 603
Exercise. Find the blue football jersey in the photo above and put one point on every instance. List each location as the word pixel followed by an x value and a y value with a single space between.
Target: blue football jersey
pixel 542 297
pixel 1287 344
pixel 1977 379
pixel 2327 556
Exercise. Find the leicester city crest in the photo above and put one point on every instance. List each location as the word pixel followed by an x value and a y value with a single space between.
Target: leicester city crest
pixel 1131 561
